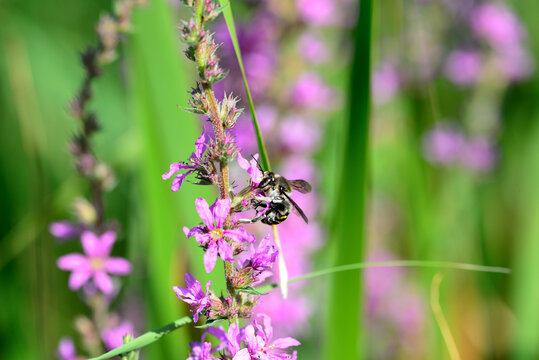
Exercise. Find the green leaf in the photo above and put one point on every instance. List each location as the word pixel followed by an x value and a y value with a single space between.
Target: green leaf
pixel 251 290
pixel 210 323
pixel 229 18
pixel 146 338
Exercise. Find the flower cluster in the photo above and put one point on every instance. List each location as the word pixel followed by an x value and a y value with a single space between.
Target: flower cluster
pixel 91 270
pixel 255 341
pixel 221 235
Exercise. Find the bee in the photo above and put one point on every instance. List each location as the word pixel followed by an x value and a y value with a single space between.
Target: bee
pixel 276 202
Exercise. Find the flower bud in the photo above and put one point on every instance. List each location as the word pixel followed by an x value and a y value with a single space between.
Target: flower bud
pixel 85 212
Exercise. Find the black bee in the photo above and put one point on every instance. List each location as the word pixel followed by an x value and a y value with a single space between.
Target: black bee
pixel 276 202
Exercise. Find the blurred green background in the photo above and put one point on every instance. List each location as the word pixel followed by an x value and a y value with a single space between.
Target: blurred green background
pixel 443 213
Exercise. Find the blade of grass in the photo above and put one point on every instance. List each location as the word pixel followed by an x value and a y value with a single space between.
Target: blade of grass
pixel 440 318
pixel 344 338
pixel 393 263
pixel 229 18
pixel 147 338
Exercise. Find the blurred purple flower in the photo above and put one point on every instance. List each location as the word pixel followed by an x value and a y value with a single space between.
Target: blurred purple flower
pixel 463 67
pixel 193 295
pixel 289 317
pixel 497 25
pixel 257 337
pixel 212 233
pixel 243 131
pixel 66 349
pixel 200 351
pixel 514 62
pixel 298 134
pixel 442 144
pixel 385 83
pixel 312 49
pixel 316 12
pixel 252 168
pixel 200 147
pixel 478 155
pixel 96 263
pixel 114 336
pixel 312 93
pixel 65 229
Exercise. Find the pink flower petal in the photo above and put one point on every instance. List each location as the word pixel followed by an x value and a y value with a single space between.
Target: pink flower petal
pixel 240 235
pixel 103 282
pixel 199 143
pixel 174 168
pixel 78 278
pixel 189 280
pixel 178 181
pixel 210 257
pixel 243 354
pixel 242 162
pixel 90 244
pixel 225 250
pixel 284 343
pixel 204 212
pixel 106 242
pixel 117 266
pixel 221 209
pixel 73 262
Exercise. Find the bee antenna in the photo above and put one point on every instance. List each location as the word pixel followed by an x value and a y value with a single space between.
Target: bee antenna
pixel 257 163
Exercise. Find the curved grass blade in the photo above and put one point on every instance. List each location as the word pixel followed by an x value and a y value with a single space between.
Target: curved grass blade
pixel 146 338
pixel 395 263
pixel 227 13
pixel 229 18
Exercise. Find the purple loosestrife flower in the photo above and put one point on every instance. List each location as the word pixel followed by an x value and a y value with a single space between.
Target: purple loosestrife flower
pixel 66 349
pixel 478 155
pixel 193 295
pixel 200 351
pixel 256 267
pixel 312 93
pixel 496 24
pixel 312 49
pixel 463 67
pixel 65 229
pixel 194 159
pixel 257 338
pixel 252 169
pixel 316 12
pixel 96 263
pixel 213 235
pixel 114 336
pixel 442 145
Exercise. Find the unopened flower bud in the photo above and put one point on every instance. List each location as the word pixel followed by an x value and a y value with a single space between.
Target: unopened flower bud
pixel 85 211
pixel 104 174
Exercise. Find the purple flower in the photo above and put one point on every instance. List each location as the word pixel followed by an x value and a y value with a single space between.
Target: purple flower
pixel 114 336
pixel 312 49
pixel 66 349
pixel 261 260
pixel 299 134
pixel 213 235
pixel 200 351
pixel 96 263
pixel 442 145
pixel 385 83
pixel 316 12
pixel 200 147
pixel 257 338
pixel 252 168
pixel 311 92
pixel 193 295
pixel 496 24
pixel 478 155
pixel 65 229
pixel 463 67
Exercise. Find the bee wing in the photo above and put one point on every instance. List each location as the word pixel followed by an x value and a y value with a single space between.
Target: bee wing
pixel 296 209
pixel 301 185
